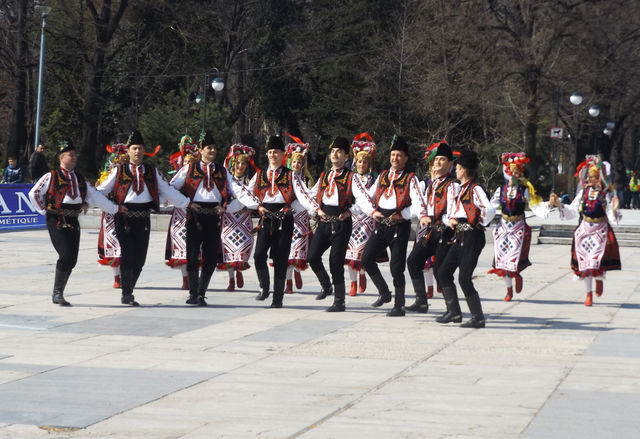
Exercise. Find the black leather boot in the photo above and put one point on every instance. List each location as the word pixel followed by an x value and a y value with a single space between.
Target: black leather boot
pixel 59 284
pixel 477 316
pixel 421 303
pixel 398 304
pixel 453 313
pixel 194 281
pixel 127 283
pixel 205 279
pixel 325 283
pixel 338 300
pixel 383 290
pixel 263 280
pixel 278 293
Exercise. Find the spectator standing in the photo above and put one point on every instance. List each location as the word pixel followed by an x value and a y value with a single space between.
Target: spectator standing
pixel 38 163
pixel 635 190
pixel 13 173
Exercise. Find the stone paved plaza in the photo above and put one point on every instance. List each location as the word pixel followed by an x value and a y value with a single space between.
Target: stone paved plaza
pixel 545 367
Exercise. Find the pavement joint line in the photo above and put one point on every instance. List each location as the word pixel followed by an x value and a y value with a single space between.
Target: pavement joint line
pixel 379 386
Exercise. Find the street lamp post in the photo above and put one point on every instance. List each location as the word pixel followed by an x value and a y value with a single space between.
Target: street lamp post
pixel 217 85
pixel 576 99
pixel 45 11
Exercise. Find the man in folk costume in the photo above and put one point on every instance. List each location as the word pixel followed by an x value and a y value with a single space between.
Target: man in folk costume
pixel 109 250
pixel 335 193
pixel 397 199
pixel 296 158
pixel 209 187
pixel 61 195
pixel 594 249
pixel 237 223
pixel 363 225
pixel 176 246
pixel 276 188
pixel 439 195
pixel 469 214
pixel 139 187
pixel 512 235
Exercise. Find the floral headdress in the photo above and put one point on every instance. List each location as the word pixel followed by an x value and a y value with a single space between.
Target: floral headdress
pixel 188 152
pixel 363 144
pixel 516 161
pixel 235 151
pixel 297 150
pixel 593 164
pixel 117 154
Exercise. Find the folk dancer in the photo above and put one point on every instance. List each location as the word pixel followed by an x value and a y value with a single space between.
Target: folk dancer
pixel 276 188
pixel 109 250
pixel 209 187
pixel 512 235
pixel 397 199
pixel 61 195
pixel 335 193
pixel 139 187
pixel 176 246
pixel 363 225
pixel 237 223
pixel 296 158
pixel 470 213
pixel 594 249
pixel 439 196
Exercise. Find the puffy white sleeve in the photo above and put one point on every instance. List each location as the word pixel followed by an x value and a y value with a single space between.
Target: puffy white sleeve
pixel 38 192
pixel 571 211
pixel 108 184
pixel 96 199
pixel 541 210
pixel 362 196
pixel 610 215
pixel 418 206
pixel 487 211
pixel 303 196
pixel 495 199
pixel 170 193
pixel 243 194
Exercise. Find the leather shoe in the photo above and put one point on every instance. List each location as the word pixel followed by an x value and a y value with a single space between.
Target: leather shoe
pixel 192 300
pixel 128 300
pixel 417 307
pixel 336 307
pixel 449 317
pixel 276 305
pixel 262 295
pixel 473 323
pixel 201 301
pixel 382 299
pixel 396 311
pixel 324 293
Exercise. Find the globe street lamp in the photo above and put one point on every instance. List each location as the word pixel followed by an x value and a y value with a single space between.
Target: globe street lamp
pixel 217 84
pixel 45 10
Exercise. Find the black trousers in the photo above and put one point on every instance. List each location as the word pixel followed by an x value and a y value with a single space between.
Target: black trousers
pixel 203 231
pixel 65 240
pixel 336 236
pixel 463 255
pixel 436 243
pixel 396 238
pixel 133 235
pixel 276 235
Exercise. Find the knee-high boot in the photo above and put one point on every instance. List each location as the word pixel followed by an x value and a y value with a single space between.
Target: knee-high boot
pixel 338 300
pixel 59 284
pixel 421 304
pixel 263 280
pixel 453 313
pixel 278 293
pixel 325 283
pixel 127 282
pixel 383 290
pixel 194 282
pixel 477 316
pixel 205 279
pixel 398 303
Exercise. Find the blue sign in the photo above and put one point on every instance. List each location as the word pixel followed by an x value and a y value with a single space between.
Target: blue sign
pixel 16 210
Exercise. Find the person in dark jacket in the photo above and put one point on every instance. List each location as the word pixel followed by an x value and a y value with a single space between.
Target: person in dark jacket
pixel 38 163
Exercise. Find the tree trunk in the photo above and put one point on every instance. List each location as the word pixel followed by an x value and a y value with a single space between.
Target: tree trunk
pixel 17 132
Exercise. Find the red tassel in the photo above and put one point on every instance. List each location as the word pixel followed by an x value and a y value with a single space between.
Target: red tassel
pixel 363 136
pixel 294 138
pixel 152 154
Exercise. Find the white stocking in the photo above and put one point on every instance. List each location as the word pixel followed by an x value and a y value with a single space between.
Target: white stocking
pixel 507 282
pixel 428 276
pixel 183 269
pixel 353 274
pixel 289 272
pixel 230 271
pixel 116 271
pixel 587 284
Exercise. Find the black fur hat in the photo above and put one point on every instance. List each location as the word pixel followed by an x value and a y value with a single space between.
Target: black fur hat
pixel 275 142
pixel 135 138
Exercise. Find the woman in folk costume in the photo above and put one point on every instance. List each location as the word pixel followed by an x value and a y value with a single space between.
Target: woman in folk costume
pixel 296 158
pixel 594 249
pixel 108 245
pixel 237 225
pixel 176 246
pixel 364 149
pixel 512 235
